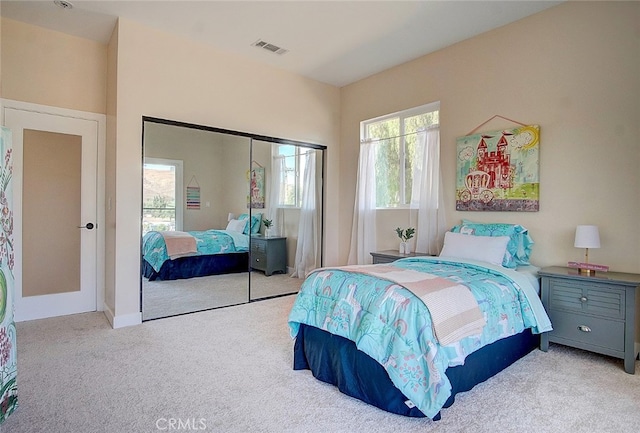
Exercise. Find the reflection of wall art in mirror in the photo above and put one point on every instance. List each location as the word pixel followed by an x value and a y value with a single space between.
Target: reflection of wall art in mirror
pixel 256 188
pixel 193 194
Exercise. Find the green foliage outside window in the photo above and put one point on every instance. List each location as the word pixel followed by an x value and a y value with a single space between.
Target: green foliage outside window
pixel 395 138
pixel 159 214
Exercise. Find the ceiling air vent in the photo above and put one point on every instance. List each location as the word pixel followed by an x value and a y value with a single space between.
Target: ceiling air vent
pixel 63 4
pixel 269 47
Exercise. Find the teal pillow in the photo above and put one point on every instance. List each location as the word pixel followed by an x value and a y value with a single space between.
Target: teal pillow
pixel 256 221
pixel 518 248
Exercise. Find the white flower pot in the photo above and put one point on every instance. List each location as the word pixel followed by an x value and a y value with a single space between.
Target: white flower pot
pixel 403 248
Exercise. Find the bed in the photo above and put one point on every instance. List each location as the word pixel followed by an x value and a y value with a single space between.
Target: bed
pixel 180 255
pixel 381 335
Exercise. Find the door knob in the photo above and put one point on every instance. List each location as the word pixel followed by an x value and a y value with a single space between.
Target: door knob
pixel 88 226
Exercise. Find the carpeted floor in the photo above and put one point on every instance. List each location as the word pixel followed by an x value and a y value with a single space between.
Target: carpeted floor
pixel 229 370
pixel 173 297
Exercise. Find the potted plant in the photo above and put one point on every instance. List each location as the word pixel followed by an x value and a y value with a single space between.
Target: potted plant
pixel 404 236
pixel 267 224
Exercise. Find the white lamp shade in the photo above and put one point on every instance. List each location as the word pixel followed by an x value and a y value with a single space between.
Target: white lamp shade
pixel 587 237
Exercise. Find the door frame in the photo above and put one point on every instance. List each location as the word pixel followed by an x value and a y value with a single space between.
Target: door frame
pixel 101 121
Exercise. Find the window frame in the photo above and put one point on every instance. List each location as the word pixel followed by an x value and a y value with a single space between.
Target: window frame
pixel 401 115
pixel 179 186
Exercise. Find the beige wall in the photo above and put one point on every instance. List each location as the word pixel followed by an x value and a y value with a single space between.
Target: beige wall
pixel 146 72
pixel 164 76
pixel 51 68
pixel 572 69
pixel 110 169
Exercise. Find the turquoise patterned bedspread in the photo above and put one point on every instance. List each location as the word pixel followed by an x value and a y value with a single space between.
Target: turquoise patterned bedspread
pixel 154 250
pixel 390 324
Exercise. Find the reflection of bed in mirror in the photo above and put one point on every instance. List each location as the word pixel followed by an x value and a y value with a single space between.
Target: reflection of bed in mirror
pixel 173 255
pixel 158 264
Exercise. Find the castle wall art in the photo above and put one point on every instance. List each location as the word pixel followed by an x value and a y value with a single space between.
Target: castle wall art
pixel 499 170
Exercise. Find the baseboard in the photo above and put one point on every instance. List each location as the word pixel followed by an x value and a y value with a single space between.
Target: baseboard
pixel 122 320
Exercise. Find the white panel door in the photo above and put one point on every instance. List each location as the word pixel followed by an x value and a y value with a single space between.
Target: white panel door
pixel 71 300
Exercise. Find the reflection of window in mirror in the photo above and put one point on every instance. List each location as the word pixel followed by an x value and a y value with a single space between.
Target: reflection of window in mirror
pixel 291 180
pixel 162 190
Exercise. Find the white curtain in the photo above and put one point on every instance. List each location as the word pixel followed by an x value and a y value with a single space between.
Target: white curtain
pixel 275 212
pixel 306 249
pixel 426 193
pixel 363 229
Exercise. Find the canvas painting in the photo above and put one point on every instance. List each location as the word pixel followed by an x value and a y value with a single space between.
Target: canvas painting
pixel 193 197
pixel 499 170
pixel 8 349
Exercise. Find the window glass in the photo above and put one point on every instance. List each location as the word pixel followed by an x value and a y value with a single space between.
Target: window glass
pixel 395 136
pixel 289 175
pixel 159 196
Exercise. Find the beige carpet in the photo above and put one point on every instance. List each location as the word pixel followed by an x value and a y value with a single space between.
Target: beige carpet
pixel 169 298
pixel 229 370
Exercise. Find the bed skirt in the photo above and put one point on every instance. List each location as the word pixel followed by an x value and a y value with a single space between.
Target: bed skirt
pixel 336 360
pixel 198 266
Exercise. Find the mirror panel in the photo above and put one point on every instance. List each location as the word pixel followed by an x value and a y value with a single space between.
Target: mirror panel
pixel 216 175
pixel 211 185
pixel 295 218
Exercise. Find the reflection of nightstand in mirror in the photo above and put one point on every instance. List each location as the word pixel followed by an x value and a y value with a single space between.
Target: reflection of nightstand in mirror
pixel 388 256
pixel 269 254
pixel 596 313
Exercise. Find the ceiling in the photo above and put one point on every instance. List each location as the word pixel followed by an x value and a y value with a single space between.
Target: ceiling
pixel 335 42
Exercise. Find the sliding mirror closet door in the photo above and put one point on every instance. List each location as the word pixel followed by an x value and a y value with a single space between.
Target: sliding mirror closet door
pixel 286 196
pixel 195 249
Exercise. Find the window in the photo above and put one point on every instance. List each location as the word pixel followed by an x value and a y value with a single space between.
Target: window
pixel 291 170
pixel 162 195
pixel 395 138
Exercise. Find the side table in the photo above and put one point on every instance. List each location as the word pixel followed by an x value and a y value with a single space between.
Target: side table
pixel 388 256
pixel 598 313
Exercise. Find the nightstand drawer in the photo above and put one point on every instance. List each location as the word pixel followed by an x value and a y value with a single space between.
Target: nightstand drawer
pixel 381 259
pixel 258 246
pixel 259 261
pixel 590 330
pixel 591 298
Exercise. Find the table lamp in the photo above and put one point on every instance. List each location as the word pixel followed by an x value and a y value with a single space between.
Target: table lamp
pixel 587 236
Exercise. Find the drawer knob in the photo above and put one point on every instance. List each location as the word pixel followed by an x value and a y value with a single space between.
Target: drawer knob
pixel 257 260
pixel 584 328
pixel 583 299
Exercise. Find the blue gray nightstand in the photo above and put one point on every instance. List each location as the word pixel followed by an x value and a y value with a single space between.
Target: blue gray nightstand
pixel 388 256
pixel 597 312
pixel 269 254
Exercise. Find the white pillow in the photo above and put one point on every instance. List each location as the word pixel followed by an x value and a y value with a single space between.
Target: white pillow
pixel 486 248
pixel 237 225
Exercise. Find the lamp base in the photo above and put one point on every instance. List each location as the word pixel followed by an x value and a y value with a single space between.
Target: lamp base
pixel 587 271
